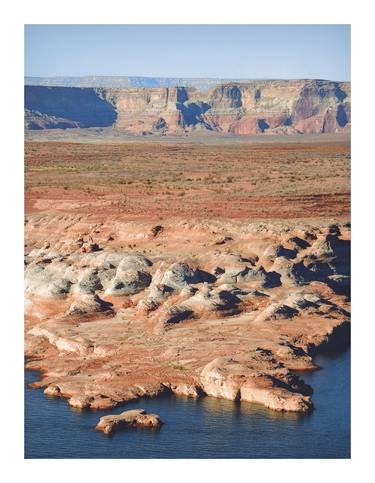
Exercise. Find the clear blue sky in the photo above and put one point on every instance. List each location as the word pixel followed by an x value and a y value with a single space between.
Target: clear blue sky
pixel 226 51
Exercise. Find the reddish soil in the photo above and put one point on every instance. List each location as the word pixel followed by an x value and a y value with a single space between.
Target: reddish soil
pixel 225 181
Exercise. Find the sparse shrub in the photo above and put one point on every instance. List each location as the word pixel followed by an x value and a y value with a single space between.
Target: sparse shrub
pixel 179 367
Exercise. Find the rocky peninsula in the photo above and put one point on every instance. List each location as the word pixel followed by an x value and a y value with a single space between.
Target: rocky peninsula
pixel 220 309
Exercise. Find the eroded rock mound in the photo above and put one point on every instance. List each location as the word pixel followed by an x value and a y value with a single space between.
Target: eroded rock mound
pixel 229 320
pixel 129 282
pixel 131 276
pixel 88 304
pixel 50 280
pixel 179 275
pixel 135 418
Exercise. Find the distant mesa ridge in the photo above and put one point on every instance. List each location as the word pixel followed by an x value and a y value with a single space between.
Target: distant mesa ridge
pixel 130 81
pixel 141 105
pixel 139 81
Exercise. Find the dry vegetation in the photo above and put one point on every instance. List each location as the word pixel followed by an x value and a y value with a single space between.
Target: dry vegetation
pixel 230 181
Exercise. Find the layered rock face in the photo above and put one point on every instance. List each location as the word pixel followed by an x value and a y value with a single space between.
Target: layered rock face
pixel 256 107
pixel 61 107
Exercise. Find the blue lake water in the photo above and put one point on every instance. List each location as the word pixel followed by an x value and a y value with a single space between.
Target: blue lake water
pixel 203 428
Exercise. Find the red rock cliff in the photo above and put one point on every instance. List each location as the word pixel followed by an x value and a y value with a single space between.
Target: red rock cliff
pixel 256 107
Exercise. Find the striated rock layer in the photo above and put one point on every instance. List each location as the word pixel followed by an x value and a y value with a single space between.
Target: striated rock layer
pixel 246 108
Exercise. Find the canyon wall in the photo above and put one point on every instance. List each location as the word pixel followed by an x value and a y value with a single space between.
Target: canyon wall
pixel 255 107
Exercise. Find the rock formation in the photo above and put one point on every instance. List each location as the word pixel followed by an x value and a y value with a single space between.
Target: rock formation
pixel 274 387
pixel 231 321
pixel 237 108
pixel 135 418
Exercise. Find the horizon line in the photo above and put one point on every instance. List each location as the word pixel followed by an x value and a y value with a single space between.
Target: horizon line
pixel 239 79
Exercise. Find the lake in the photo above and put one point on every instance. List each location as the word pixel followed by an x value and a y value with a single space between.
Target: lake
pixel 203 428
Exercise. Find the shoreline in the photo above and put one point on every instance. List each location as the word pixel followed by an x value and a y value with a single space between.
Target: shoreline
pixel 41 372
pixel 236 332
pixel 200 428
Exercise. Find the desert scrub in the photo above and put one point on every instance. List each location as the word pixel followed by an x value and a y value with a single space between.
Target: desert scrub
pixel 180 367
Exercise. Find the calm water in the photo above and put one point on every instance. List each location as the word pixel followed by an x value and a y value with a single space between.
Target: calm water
pixel 206 428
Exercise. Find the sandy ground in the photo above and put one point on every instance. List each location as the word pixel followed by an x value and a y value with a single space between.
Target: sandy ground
pixel 190 181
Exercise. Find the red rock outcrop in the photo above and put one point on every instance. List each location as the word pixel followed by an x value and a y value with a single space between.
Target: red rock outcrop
pixel 230 321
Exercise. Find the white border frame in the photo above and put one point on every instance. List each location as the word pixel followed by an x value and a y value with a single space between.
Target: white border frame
pixel 194 11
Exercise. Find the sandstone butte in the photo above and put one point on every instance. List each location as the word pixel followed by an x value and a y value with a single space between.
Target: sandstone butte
pixel 117 310
pixel 232 108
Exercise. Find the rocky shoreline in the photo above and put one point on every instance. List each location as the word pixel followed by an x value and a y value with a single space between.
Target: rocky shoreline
pixel 116 311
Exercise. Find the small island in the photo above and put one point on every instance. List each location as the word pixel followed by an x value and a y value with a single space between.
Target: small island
pixel 135 418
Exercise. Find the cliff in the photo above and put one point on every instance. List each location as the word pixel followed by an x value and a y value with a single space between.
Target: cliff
pixel 255 107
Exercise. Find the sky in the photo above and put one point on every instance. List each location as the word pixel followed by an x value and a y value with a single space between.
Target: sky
pixel 223 51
